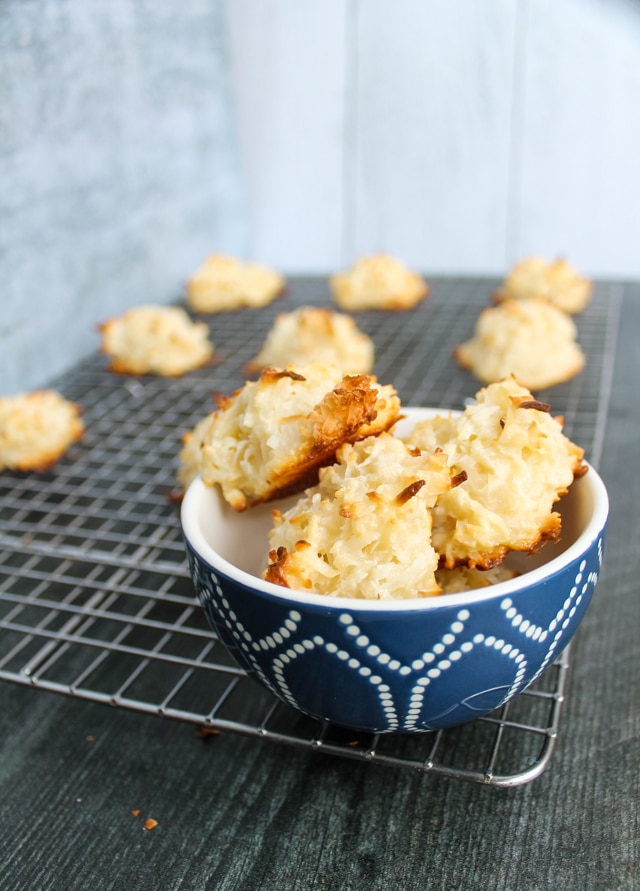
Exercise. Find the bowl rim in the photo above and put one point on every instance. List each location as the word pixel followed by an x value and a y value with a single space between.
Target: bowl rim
pixel 197 541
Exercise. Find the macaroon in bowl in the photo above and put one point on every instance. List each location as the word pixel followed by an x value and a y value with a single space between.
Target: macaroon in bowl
pixel 393 666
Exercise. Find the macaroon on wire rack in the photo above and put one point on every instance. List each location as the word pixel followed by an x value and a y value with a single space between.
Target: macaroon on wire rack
pixel 96 601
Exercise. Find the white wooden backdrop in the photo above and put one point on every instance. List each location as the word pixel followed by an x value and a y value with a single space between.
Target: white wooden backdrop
pixel 457 134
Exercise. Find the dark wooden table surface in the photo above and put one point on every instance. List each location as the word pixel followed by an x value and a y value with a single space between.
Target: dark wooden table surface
pixel 234 812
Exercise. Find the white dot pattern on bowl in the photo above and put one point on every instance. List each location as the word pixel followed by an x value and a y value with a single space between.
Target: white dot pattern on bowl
pixel 365 659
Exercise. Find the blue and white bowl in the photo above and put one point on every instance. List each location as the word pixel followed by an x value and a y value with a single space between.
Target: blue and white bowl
pixel 393 667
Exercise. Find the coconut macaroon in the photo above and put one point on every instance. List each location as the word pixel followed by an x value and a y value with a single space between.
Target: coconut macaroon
pixel 190 455
pixel 518 463
pixel 364 531
pixel 530 339
pixel 160 340
pixel 312 333
pixel 556 281
pixel 378 282
pixel 36 429
pixel 225 283
pixel 270 438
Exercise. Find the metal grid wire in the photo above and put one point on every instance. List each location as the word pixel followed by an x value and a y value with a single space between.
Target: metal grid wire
pixel 95 597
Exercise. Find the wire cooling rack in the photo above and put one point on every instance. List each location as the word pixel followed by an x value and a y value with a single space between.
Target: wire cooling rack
pixel 95 597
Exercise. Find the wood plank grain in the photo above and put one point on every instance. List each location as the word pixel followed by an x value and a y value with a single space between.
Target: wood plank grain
pixel 578 189
pixel 458 136
pixel 434 93
pixel 288 69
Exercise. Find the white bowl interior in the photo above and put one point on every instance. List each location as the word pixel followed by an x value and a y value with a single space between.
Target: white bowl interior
pixel 237 542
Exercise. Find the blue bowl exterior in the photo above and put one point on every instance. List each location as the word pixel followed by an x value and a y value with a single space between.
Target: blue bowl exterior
pixel 398 671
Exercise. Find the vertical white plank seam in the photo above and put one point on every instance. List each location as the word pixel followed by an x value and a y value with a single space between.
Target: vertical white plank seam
pixel 350 110
pixel 517 125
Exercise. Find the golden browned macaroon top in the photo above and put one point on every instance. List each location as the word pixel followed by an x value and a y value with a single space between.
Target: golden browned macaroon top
pixel 556 281
pixel 36 429
pixel 271 437
pixel 518 464
pixel 378 282
pixel 226 283
pixel 313 333
pixel 160 340
pixel 365 530
pixel 530 339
